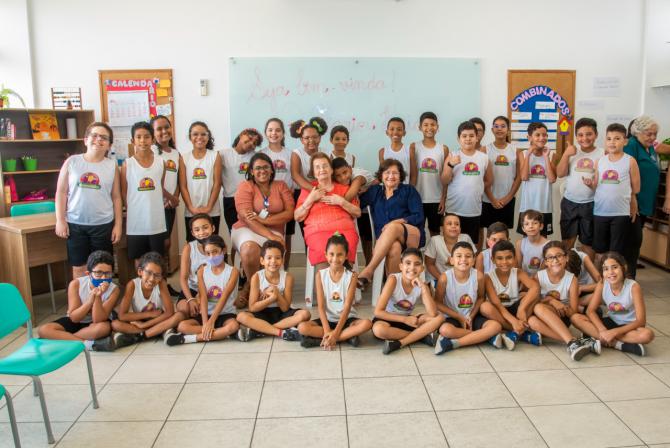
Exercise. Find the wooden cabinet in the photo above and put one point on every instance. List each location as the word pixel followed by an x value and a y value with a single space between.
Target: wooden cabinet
pixel 656 239
pixel 50 154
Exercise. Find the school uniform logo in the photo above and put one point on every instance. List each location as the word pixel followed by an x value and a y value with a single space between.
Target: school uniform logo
pixel 336 297
pixel 170 166
pixel 214 293
pixel 553 294
pixel 504 298
pixel 428 165
pixel 280 166
pixel 471 169
pixel 616 307
pixel 501 160
pixel 199 173
pixel 584 165
pixel 537 172
pixel 403 305
pixel 89 180
pixel 146 184
pixel 244 166
pixel 465 301
pixel 610 177
pixel 149 307
pixel 535 263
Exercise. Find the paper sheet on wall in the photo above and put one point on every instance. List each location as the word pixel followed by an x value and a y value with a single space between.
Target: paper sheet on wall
pixel 127 107
pixel 121 141
pixel 164 109
pixel 624 119
pixel 591 105
pixel 607 86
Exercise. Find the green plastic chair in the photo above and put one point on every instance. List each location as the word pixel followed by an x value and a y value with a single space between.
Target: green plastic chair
pixel 33 209
pixel 37 356
pixel 12 416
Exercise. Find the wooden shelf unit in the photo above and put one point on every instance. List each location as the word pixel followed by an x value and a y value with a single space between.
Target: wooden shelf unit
pixel 50 154
pixel 656 239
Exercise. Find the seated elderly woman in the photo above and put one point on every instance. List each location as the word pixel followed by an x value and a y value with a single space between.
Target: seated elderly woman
pixel 325 211
pixel 397 213
pixel 264 206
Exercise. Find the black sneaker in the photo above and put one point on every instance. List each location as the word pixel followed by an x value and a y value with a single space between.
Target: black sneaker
pixel 103 344
pixel 124 340
pixel 174 339
pixel 307 342
pixel 244 334
pixel 636 349
pixel 390 346
pixel 594 344
pixel 577 349
pixel 354 341
pixel 429 339
pixel 291 334
pixel 443 345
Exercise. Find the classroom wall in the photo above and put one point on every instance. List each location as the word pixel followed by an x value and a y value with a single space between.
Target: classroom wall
pixel 72 39
pixel 657 64
pixel 15 63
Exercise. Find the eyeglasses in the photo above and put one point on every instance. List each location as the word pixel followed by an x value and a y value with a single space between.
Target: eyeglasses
pixel 155 275
pixel 262 168
pixel 102 274
pixel 103 137
pixel 554 258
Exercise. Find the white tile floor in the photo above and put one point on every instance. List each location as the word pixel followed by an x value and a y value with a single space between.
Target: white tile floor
pixel 270 393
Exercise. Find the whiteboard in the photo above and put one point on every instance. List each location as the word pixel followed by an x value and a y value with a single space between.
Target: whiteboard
pixel 359 93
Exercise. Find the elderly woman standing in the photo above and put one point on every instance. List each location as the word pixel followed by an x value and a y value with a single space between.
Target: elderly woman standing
pixel 325 211
pixel 264 206
pixel 397 212
pixel 642 136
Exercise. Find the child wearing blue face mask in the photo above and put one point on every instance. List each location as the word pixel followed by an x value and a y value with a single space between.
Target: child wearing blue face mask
pixel 217 290
pixel 90 301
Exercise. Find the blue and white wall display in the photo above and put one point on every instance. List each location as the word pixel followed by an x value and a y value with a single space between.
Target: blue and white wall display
pixel 359 93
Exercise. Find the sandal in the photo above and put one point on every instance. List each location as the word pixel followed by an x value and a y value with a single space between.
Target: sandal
pixel 362 283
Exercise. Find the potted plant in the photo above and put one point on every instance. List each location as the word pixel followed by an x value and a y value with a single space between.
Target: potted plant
pixel 4 97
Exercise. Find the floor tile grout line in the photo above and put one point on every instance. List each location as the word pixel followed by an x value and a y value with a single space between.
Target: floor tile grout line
pixel 430 400
pixel 174 403
pixel 344 397
pixel 644 366
pixel 260 396
pixel 530 420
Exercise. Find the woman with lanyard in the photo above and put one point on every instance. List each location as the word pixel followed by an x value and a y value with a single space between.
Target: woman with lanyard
pixel 264 206
pixel 642 134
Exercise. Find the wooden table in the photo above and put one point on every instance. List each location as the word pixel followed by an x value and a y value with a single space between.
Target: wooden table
pixel 28 241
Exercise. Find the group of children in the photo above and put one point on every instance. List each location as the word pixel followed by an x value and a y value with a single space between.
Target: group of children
pixel 503 294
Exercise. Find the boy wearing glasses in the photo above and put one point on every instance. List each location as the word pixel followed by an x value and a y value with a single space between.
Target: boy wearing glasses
pixel 90 301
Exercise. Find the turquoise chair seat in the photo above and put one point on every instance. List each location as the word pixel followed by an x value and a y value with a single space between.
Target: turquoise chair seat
pixel 40 356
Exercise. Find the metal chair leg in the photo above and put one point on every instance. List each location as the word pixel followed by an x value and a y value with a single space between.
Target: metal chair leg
pixel 45 413
pixel 91 381
pixel 51 289
pixel 12 420
pixel 34 387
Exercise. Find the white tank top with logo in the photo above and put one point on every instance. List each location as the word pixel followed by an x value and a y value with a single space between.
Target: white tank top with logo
pixel 281 161
pixel 620 308
pixel 488 261
pixel 214 286
pixel 85 291
pixel 171 160
pixel 461 297
pixel 400 301
pixel 401 156
pixel 144 198
pixel 234 169
pixel 536 191
pixel 89 195
pixel 197 259
pixel 503 166
pixel 429 164
pixel 264 283
pixel 582 164
pixel 464 195
pixel 305 167
pixel 507 294
pixel 584 276
pixel 335 294
pixel 200 181
pixel 349 157
pixel 140 304
pixel 532 256
pixel 612 197
pixel 559 291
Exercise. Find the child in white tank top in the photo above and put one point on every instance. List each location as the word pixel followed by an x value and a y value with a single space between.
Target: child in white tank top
pixel 217 290
pixel 394 321
pixel 339 137
pixel 559 301
pixel 438 249
pixel 459 295
pixel 494 233
pixel 395 130
pixel 529 248
pixel 270 311
pixel 623 328
pixel 192 257
pixel 146 310
pixel 506 304
pixel 335 289
pixel 309 133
